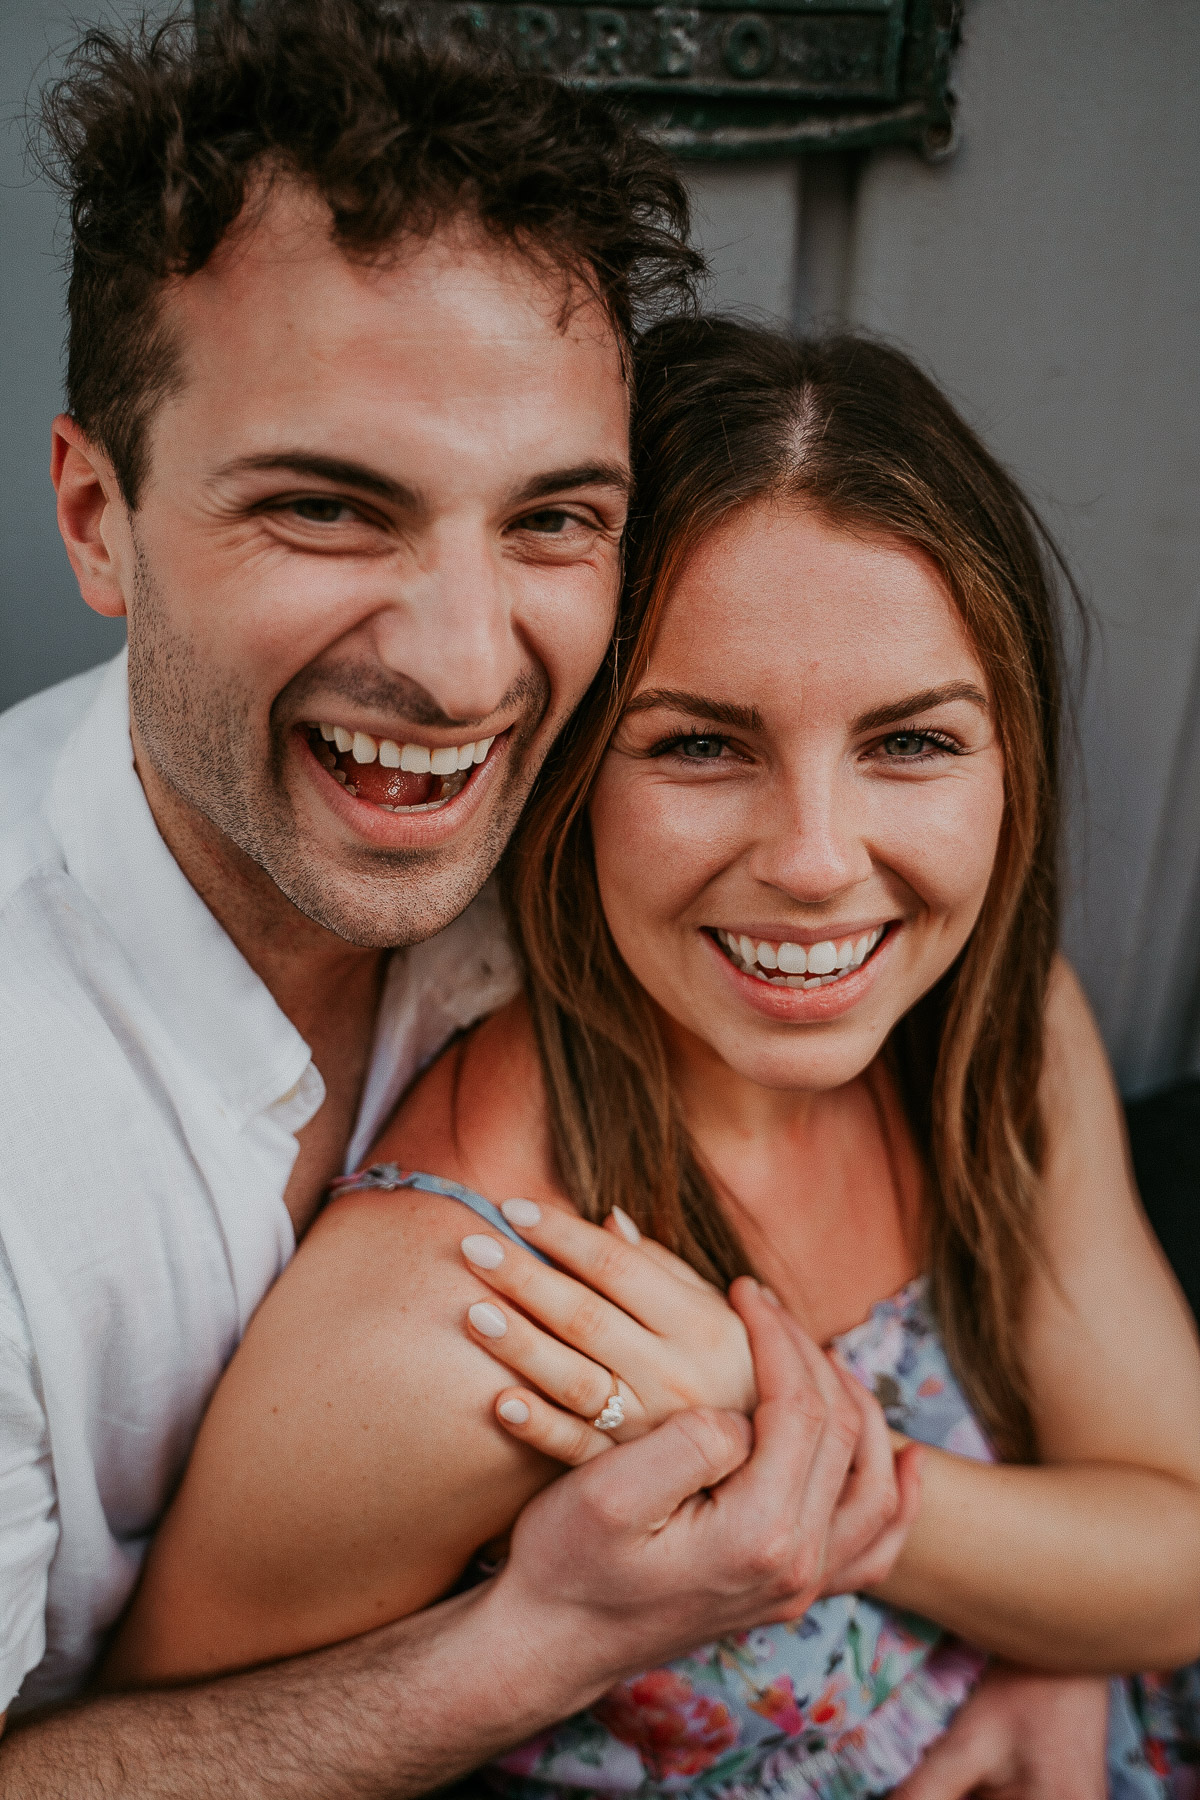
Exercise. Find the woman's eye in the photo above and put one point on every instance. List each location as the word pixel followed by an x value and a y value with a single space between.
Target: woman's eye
pixel 911 746
pixel 693 747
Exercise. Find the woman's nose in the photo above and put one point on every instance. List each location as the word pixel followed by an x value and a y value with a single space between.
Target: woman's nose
pixel 816 845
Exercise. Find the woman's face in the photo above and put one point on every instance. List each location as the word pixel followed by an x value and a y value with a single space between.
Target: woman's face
pixel 796 822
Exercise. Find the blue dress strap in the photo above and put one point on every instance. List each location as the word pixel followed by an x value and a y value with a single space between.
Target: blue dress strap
pixel 387 1177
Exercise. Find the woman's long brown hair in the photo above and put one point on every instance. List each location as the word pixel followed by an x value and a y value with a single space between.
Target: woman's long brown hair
pixel 727 414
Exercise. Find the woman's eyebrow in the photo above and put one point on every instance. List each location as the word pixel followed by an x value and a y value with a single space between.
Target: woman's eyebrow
pixel 925 701
pixel 721 712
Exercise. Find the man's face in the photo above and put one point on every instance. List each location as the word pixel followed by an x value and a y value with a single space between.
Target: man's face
pixel 387 502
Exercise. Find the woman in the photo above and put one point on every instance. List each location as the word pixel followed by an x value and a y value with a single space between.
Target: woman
pixel 788 906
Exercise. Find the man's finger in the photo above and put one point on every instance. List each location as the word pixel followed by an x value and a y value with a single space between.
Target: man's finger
pixel 803 1446
pixel 640 1485
pixel 875 1563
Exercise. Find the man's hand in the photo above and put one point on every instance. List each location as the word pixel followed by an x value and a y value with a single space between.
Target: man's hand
pixel 1020 1736
pixel 703 1527
pixel 706 1526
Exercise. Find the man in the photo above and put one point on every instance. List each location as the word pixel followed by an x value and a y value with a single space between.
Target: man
pixel 347 445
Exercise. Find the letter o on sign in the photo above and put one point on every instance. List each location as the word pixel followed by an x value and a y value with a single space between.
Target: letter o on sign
pixel 749 47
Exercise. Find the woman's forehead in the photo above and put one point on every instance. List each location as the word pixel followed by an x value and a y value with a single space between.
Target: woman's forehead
pixel 778 594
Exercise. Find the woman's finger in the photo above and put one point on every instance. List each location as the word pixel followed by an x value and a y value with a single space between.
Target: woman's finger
pixel 562 1374
pixel 644 1286
pixel 623 1227
pixel 566 1307
pixel 559 1435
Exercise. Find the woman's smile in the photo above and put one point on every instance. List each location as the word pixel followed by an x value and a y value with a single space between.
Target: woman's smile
pixel 818 994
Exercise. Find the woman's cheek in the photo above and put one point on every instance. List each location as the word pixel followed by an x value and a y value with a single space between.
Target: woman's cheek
pixel 657 844
pixel 943 842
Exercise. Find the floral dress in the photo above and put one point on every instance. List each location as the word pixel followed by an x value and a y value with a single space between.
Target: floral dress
pixel 841 1703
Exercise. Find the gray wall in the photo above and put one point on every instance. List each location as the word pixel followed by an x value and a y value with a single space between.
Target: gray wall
pixel 1048 274
pixel 46 632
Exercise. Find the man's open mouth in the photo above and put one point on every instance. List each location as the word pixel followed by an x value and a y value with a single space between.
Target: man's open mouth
pixel 399 778
pixel 798 965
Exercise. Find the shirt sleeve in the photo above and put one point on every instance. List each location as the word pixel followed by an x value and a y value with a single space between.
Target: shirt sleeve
pixel 28 1510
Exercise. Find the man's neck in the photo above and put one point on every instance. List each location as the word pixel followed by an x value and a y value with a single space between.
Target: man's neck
pixel 329 989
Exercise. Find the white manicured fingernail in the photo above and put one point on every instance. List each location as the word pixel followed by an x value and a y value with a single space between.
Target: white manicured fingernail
pixel 522 1212
pixel 484 1252
pixel 488 1320
pixel 626 1226
pixel 515 1411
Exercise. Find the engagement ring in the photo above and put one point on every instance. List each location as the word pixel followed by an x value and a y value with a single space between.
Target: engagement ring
pixel 613 1414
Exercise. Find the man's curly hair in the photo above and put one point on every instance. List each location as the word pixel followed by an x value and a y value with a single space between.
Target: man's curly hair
pixel 157 138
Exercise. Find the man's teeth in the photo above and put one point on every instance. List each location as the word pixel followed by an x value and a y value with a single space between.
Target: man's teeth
pixel 415 759
pixel 791 965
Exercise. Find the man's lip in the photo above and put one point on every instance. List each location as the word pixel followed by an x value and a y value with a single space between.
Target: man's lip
pixel 405 734
pixel 400 831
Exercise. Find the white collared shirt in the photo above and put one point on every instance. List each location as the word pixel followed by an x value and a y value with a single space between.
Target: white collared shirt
pixel 151 1090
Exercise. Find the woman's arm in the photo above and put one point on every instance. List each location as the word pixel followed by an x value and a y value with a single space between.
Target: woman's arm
pixel 349 1463
pixel 1090 1561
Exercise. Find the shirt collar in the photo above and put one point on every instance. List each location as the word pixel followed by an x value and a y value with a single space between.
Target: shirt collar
pixel 212 1003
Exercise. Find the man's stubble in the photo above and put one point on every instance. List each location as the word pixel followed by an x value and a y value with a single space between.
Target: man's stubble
pixel 199 734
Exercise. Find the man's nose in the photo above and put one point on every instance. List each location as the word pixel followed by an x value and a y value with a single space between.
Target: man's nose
pixel 815 847
pixel 452 627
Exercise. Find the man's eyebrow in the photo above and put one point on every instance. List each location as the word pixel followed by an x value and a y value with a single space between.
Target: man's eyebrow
pixel 721 712
pixel 925 701
pixel 562 481
pixel 366 480
pixel 324 468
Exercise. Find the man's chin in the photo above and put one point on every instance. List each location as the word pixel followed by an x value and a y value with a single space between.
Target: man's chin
pixel 416 896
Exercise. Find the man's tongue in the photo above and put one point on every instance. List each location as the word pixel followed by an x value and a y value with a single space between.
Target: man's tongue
pixel 389 787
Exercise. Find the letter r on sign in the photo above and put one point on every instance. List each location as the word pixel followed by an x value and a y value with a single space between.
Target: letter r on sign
pixel 607 35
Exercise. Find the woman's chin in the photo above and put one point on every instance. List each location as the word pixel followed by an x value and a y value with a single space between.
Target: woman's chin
pixel 783 1037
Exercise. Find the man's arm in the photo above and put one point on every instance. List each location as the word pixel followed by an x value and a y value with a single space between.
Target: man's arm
pixel 704 1527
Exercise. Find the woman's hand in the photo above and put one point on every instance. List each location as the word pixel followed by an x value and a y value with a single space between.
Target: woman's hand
pixel 672 1341
pixel 645 1326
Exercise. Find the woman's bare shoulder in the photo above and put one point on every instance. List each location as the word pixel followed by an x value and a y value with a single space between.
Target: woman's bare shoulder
pixel 478 1114
pixel 350 1462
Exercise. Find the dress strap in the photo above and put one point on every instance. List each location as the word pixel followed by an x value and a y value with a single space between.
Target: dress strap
pixel 387 1177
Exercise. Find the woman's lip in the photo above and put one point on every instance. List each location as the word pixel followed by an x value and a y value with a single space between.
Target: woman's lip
pixel 401 831
pixel 803 1006
pixel 790 934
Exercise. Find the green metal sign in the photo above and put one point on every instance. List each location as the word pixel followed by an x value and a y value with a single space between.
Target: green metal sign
pixel 719 78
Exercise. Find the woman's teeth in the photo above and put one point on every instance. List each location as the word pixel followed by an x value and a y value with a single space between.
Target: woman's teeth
pixel 424 778
pixel 791 965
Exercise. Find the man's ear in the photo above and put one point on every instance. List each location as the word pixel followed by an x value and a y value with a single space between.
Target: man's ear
pixel 92 517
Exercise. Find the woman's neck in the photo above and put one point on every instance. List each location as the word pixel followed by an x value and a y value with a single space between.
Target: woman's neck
pixel 824 1188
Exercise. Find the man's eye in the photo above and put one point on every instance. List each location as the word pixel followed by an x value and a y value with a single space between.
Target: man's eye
pixel 316 509
pixel 550 523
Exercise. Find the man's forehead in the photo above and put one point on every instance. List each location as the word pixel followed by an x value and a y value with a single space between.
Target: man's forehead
pixel 448 369
pixel 280 271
